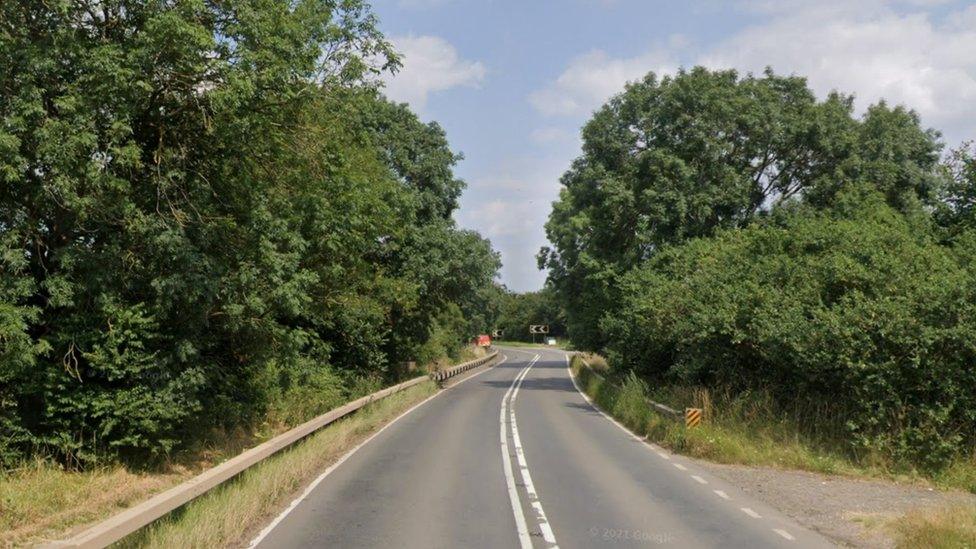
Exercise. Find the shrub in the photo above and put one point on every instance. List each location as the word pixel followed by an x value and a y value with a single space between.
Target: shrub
pixel 859 307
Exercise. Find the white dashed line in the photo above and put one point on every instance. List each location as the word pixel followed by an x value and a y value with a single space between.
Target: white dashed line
pixel 750 512
pixel 540 515
pixel 318 480
pixel 784 533
pixel 520 525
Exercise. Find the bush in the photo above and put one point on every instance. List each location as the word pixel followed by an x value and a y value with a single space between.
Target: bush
pixel 860 307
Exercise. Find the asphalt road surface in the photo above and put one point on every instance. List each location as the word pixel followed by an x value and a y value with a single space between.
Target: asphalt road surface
pixel 515 456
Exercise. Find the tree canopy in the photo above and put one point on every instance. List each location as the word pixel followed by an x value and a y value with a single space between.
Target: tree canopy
pixel 208 210
pixel 681 156
pixel 735 232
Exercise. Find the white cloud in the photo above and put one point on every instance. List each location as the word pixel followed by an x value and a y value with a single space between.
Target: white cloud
pixel 591 79
pixel 510 207
pixel 421 4
pixel 874 49
pixel 552 134
pixel 430 64
pixel 904 58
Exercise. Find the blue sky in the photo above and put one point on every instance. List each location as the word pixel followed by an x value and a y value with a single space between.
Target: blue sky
pixel 513 81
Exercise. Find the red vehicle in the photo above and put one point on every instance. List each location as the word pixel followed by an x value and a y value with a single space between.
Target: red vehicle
pixel 483 341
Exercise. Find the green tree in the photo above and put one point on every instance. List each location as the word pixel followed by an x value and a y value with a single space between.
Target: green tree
pixel 681 156
pixel 858 307
pixel 518 311
pixel 205 213
pixel 957 195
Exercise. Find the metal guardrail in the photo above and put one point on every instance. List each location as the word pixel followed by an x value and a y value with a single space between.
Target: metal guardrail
pixel 132 519
pixel 441 375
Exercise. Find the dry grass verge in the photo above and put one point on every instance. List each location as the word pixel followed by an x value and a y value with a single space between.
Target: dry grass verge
pixel 743 429
pixel 41 502
pixel 948 528
pixel 228 515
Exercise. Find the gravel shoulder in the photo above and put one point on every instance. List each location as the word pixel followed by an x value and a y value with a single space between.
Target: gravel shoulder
pixel 850 511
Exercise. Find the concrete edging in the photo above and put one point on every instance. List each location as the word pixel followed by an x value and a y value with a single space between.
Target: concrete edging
pixel 132 519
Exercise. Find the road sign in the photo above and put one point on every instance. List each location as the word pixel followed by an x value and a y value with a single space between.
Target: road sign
pixel 496 334
pixel 484 341
pixel 693 417
pixel 539 329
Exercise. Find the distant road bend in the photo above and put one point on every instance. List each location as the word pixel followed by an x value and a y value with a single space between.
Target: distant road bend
pixel 514 456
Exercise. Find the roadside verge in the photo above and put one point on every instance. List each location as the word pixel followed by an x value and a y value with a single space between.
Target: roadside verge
pixel 855 510
pixel 133 519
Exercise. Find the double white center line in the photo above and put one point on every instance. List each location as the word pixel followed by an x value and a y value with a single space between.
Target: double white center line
pixel 508 410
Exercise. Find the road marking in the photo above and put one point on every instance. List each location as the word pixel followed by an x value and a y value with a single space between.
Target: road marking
pixel 291 507
pixel 520 525
pixel 750 512
pixel 547 533
pixel 534 503
pixel 699 480
pixel 654 447
pixel 784 533
pixel 680 466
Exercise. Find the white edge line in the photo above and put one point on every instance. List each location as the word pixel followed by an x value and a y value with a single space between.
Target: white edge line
pixel 291 507
pixel 593 405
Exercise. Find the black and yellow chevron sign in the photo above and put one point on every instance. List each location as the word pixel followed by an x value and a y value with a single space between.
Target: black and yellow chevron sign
pixel 693 417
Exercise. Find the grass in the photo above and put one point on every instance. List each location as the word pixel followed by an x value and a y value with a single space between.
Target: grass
pixel 948 528
pixel 746 429
pixel 41 501
pixel 465 354
pixel 231 514
pixel 743 429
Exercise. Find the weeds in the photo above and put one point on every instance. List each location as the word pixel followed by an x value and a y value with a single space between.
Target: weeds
pixel 948 528
pixel 228 515
pixel 749 428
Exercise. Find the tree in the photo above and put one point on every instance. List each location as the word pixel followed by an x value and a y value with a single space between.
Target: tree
pixel 682 156
pixel 518 311
pixel 201 219
pixel 957 195
pixel 858 309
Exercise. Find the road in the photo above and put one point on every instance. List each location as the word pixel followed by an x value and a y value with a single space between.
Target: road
pixel 514 456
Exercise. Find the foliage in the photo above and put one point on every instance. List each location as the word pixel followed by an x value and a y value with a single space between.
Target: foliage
pixel 682 156
pixel 957 204
pixel 857 306
pixel 208 213
pixel 518 311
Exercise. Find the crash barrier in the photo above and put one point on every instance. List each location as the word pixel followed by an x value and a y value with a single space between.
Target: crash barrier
pixel 441 375
pixel 117 527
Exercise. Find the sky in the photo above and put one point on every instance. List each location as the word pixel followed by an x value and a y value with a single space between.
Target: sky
pixel 512 82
